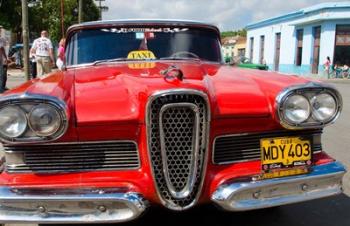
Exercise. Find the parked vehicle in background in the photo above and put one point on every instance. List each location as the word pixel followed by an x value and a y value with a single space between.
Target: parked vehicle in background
pixel 245 62
pixel 146 113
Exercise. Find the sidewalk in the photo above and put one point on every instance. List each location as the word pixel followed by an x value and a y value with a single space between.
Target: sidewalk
pixel 15 77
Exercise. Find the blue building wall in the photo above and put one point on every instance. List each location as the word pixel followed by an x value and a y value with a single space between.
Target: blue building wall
pixel 327 16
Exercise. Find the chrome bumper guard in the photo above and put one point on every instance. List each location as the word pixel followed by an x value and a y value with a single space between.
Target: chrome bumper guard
pixel 69 206
pixel 324 180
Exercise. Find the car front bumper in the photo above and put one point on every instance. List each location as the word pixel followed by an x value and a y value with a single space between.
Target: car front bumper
pixel 324 180
pixel 112 205
pixel 69 206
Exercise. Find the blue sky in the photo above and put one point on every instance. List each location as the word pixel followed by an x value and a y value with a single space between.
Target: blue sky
pixel 227 14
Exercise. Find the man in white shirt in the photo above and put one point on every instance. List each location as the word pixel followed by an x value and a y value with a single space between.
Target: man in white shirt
pixel 43 51
pixel 3 62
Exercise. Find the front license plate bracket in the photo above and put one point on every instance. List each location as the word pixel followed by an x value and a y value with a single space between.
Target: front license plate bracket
pixel 285 156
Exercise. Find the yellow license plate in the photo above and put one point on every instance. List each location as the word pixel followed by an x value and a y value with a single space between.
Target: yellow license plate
pixel 284 153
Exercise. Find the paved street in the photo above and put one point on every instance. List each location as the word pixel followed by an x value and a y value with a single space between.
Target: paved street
pixel 328 211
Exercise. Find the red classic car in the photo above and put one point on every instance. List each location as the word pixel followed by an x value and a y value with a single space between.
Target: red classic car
pixel 146 113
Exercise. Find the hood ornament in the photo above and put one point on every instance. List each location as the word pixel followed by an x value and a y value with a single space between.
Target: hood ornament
pixel 173 72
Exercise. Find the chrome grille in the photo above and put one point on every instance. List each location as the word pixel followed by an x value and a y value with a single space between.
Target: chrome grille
pixel 72 157
pixel 177 129
pixel 246 147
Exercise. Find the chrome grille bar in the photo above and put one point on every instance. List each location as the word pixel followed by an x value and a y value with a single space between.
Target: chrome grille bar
pixel 246 147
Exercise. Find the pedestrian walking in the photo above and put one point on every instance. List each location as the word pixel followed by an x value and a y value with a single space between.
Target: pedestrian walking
pixel 327 66
pixel 43 51
pixel 60 54
pixel 3 65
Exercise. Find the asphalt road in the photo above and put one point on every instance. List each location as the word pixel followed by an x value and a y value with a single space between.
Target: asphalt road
pixel 323 212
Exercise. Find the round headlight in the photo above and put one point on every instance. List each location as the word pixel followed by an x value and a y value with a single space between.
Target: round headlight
pixel 13 121
pixel 323 107
pixel 296 109
pixel 44 120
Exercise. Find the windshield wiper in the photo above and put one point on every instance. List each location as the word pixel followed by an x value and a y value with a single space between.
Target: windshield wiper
pixel 114 60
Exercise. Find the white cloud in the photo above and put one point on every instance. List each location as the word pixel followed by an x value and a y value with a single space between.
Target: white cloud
pixel 227 14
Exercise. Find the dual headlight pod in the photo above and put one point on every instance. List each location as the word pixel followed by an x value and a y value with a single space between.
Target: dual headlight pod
pixel 33 120
pixel 309 106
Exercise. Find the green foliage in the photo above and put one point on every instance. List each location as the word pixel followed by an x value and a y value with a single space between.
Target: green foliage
pixel 241 32
pixel 10 15
pixel 45 15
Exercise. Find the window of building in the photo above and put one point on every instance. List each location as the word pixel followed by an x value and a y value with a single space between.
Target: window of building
pixel 251 49
pixel 262 49
pixel 241 52
pixel 299 52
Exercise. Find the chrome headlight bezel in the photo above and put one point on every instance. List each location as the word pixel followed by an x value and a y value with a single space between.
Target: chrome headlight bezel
pixel 316 112
pixel 27 102
pixel 307 109
pixel 25 121
pixel 35 128
pixel 308 90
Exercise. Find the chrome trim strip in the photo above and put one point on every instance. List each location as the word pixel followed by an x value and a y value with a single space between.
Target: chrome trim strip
pixel 69 206
pixel 313 87
pixel 32 99
pixel 141 22
pixel 205 163
pixel 186 191
pixel 10 167
pixel 324 180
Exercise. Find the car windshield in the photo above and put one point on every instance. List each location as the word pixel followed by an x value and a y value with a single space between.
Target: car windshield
pixel 98 45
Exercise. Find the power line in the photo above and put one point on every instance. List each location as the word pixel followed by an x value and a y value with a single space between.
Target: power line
pixel 101 7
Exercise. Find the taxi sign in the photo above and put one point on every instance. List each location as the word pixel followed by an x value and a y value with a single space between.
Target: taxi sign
pixel 141 54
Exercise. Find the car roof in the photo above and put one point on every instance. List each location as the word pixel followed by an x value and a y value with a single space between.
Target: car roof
pixel 142 22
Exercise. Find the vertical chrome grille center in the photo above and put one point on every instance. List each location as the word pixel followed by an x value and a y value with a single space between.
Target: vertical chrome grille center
pixel 177 122
pixel 179 141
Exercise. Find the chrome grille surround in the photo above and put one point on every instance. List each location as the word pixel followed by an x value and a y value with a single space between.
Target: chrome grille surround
pixel 72 157
pixel 245 147
pixel 178 177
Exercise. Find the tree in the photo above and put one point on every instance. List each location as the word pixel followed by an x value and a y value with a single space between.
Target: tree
pixel 45 15
pixel 241 32
pixel 10 15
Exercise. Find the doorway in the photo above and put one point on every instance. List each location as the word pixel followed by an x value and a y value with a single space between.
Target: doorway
pixel 342 45
pixel 316 49
pixel 277 51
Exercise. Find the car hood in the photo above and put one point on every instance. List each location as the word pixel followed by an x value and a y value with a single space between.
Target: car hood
pixel 118 92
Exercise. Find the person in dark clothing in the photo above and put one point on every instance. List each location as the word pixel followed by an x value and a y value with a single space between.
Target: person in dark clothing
pixel 3 65
pixel 32 62
pixel 4 77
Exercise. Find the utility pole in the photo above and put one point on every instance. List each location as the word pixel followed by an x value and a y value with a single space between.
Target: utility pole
pixel 25 37
pixel 80 11
pixel 101 7
pixel 62 18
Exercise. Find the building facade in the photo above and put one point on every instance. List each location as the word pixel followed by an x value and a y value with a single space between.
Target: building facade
pixel 233 47
pixel 228 44
pixel 300 42
pixel 240 46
